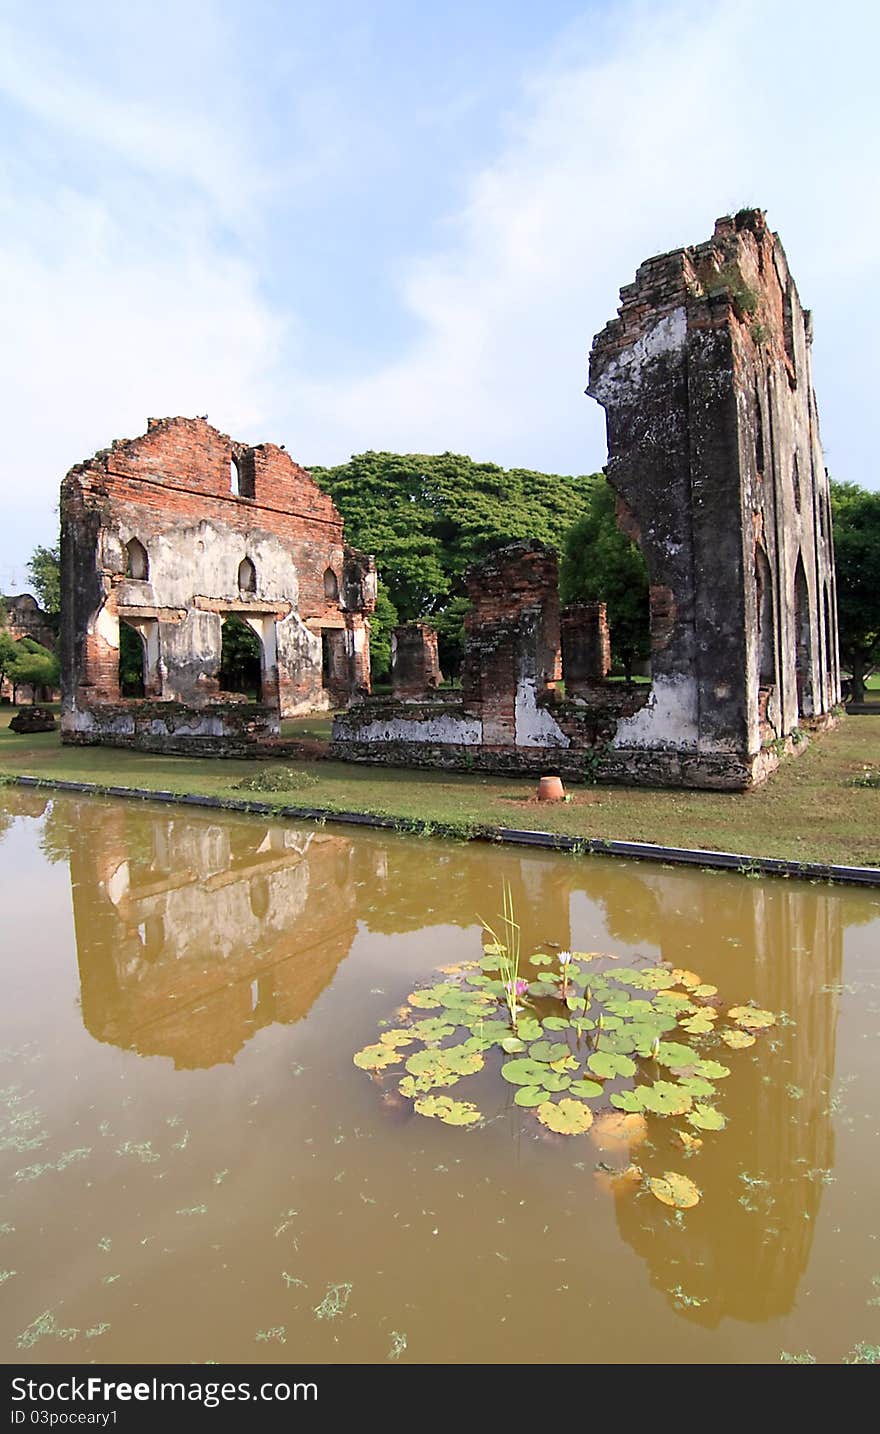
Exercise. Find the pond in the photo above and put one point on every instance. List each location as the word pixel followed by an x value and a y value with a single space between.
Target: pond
pixel 192 1168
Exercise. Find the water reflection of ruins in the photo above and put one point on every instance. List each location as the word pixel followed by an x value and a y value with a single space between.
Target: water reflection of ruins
pixel 195 930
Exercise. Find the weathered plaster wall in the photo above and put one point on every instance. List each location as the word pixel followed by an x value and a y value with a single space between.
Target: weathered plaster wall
pixel 715 457
pixel 173 532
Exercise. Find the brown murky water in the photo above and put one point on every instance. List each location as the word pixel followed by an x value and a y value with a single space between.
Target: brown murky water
pixel 192 1169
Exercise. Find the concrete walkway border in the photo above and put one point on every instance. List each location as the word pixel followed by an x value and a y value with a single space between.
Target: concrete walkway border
pixel 512 836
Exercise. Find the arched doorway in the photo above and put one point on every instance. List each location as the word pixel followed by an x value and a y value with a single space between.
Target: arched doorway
pixel 132 662
pixel 241 659
pixel 803 647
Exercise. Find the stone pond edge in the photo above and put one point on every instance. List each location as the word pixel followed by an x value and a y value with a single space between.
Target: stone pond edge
pixel 511 836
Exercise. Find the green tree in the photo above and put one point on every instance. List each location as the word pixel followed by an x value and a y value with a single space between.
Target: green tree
pixel 241 658
pixel 427 517
pixel 33 665
pixel 383 620
pixel 856 515
pixel 45 574
pixel 8 648
pixel 601 564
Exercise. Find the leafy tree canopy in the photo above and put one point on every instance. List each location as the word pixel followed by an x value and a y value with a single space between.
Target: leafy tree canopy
pixel 601 564
pixel 427 517
pixel 856 515
pixel 28 664
pixel 45 574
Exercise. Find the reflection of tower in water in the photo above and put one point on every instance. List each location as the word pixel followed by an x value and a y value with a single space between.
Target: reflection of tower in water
pixel 742 1252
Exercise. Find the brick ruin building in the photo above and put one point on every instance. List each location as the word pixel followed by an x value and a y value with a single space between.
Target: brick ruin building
pixel 172 535
pixel 715 458
pixel 25 618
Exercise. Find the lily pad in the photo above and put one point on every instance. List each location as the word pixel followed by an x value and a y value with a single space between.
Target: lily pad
pixel 608 1064
pixel 671 1053
pixel 705 989
pixel 377 1057
pixel 539 959
pixel 586 1089
pixel 451 1112
pixel 664 1098
pixel 524 1071
pixel 402 1037
pixel 565 1117
pixel 433 1028
pixel 529 1095
pixel 737 1040
pixel 698 1026
pixel 512 1044
pixel 751 1017
pixel 675 1190
pixel 706 1117
pixel 697 1086
pixel 688 979
pixel 556 1023
pixel 548 1051
pixel 631 1101
pixel 528 1029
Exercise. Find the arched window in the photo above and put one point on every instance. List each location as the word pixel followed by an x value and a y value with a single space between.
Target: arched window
pixel 132 661
pixel 137 564
pixel 234 476
pixel 247 576
pixel 766 620
pixel 796 483
pixel 803 641
pixel 331 586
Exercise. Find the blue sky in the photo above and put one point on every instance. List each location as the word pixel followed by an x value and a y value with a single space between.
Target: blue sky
pixel 348 226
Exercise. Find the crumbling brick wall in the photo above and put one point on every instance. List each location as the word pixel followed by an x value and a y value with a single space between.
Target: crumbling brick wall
pixel 171 533
pixel 415 664
pixel 714 453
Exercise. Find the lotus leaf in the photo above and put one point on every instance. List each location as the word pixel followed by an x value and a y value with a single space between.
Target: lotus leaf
pixel 697 1086
pixel 529 1095
pixel 424 1000
pixel 675 1190
pixel 556 1023
pixel 654 979
pixel 672 1001
pixel 512 1044
pixel 528 1029
pixel 565 1063
pixel 524 1071
pixel 433 1028
pixel 565 1117
pixel 706 1117
pixel 444 1067
pixel 582 1023
pixel 575 1003
pixel 451 1112
pixel 671 1053
pixel 630 1100
pixel 403 1038
pixel 712 1070
pixel 664 1098
pixel 585 1089
pixel 685 978
pixel 737 1040
pixel 608 1064
pixel 548 1051
pixel 409 1086
pixel 377 1057
pixel 620 1042
pixel 552 1080
pixel 751 1017
pixel 705 989
pixel 697 1026
pixel 551 978
pixel 541 960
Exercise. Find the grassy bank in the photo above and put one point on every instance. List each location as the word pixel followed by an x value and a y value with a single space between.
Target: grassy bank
pixel 808 811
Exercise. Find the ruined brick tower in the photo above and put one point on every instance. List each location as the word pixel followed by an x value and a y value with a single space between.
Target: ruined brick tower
pixel 714 453
pixel 174 534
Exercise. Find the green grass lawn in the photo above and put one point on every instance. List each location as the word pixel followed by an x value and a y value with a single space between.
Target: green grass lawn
pixel 808 811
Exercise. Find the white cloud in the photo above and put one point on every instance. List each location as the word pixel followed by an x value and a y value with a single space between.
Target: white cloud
pixel 629 142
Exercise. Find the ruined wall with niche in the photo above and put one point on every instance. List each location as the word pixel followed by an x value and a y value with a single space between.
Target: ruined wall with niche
pixel 714 454
pixel 173 533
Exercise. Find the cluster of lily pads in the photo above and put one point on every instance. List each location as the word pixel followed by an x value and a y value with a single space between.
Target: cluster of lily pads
pixel 578 1035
